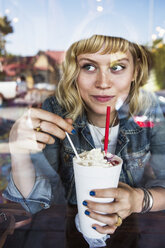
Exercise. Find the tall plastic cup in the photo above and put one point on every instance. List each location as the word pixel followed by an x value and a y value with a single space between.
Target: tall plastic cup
pixel 88 178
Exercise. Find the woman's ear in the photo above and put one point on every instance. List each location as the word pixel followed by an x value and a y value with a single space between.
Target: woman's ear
pixel 134 76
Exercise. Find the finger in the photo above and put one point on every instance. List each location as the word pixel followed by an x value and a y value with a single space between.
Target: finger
pixel 105 193
pixel 32 135
pixel 109 208
pixel 122 185
pixel 33 145
pixel 18 147
pixel 25 122
pixel 44 115
pixel 21 134
pixel 40 146
pixel 69 120
pixel 104 229
pixel 108 219
pixel 34 123
pixel 48 127
pixel 52 129
pixel 44 138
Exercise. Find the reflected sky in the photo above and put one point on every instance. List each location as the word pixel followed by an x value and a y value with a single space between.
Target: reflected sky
pixel 55 24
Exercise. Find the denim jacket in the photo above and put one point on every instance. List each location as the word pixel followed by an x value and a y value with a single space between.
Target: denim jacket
pixel 141 145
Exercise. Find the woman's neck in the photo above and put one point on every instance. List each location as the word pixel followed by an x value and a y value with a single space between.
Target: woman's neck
pixel 100 120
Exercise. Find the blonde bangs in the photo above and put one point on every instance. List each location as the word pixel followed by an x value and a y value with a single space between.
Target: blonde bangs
pixel 104 44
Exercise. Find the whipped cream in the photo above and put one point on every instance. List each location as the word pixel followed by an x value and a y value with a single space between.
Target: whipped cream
pixel 96 157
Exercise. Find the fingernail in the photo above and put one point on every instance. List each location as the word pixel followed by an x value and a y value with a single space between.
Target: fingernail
pixel 87 212
pixel 94 227
pixel 84 203
pixel 73 131
pixel 92 193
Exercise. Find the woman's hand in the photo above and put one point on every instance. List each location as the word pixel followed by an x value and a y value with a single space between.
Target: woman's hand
pixel 127 200
pixel 24 136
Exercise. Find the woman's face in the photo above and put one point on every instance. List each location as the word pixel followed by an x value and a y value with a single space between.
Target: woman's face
pixel 104 80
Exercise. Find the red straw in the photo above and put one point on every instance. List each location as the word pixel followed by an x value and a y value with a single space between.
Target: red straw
pixel 107 129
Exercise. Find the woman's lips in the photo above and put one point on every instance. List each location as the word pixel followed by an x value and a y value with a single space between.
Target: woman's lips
pixel 103 98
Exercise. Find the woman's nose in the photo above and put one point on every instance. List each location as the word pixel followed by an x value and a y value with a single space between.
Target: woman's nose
pixel 103 79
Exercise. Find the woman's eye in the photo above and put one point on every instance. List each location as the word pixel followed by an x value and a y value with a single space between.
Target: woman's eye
pixel 88 67
pixel 117 67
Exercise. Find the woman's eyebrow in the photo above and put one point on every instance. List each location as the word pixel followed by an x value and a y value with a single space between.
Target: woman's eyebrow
pixel 112 62
pixel 119 60
pixel 90 60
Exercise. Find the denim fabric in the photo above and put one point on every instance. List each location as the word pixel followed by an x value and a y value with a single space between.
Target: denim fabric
pixel 141 148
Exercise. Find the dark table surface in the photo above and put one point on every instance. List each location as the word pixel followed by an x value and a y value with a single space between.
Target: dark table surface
pixel 51 228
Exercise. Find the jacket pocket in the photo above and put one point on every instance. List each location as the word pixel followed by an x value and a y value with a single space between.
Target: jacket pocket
pixel 135 164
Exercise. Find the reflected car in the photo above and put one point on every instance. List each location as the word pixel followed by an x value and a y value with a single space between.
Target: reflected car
pixel 161 97
pixel 8 90
pixel 45 86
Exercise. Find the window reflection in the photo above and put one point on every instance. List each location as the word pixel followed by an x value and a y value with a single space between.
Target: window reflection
pixel 34 36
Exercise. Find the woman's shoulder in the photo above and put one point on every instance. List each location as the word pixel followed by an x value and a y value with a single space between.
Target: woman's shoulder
pixel 149 99
pixel 150 102
pixel 145 94
pixel 52 105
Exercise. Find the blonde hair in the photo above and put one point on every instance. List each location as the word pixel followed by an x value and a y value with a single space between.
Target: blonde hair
pixel 67 92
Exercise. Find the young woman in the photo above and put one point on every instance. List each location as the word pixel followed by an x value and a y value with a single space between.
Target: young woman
pixel 98 72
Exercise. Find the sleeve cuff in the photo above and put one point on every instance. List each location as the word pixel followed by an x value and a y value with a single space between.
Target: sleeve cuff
pixel 155 183
pixel 38 199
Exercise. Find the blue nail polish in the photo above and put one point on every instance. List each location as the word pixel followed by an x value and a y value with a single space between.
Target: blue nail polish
pixel 94 227
pixel 87 212
pixel 73 131
pixel 92 193
pixel 84 203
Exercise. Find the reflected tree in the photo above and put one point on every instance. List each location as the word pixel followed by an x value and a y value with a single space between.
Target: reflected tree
pixel 5 29
pixel 158 55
